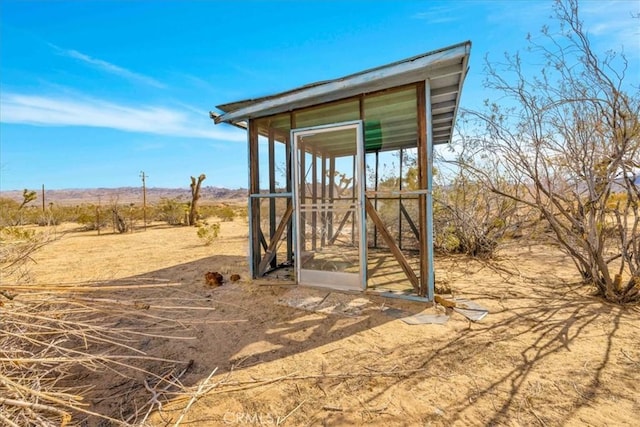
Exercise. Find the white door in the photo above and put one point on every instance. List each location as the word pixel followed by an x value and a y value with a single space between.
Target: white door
pixel 330 235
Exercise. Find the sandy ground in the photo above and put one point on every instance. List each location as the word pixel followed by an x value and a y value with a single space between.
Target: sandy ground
pixel 547 354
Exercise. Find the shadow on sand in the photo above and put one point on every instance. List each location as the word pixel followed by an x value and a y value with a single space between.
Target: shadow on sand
pixel 500 364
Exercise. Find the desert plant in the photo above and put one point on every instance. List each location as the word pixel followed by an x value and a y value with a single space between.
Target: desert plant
pixel 14 213
pixel 171 211
pixel 51 216
pixel 208 233
pixel 17 245
pixel 192 218
pixel 225 213
pixel 568 139
pixel 470 220
pixel 28 196
pixel 9 212
pixel 52 334
pixel 119 223
pixel 91 217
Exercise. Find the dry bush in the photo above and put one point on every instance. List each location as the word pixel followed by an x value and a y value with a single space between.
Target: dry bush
pixel 567 139
pixel 470 220
pixel 171 211
pixel 52 336
pixel 225 212
pixel 208 232
pixel 17 245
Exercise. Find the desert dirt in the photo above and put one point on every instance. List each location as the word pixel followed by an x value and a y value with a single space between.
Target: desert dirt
pixel 548 353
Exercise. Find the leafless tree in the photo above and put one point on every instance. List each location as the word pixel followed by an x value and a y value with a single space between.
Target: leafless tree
pixel 119 224
pixel 568 139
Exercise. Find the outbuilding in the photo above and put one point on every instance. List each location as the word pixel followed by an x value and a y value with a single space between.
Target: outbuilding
pixel 340 174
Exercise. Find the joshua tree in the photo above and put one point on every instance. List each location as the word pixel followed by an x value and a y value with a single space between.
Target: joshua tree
pixel 195 196
pixel 27 197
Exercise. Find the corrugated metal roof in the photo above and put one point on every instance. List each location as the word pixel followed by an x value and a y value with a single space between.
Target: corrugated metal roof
pixel 445 68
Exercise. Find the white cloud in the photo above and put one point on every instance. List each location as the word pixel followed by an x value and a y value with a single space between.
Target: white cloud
pixel 108 67
pixel 52 111
pixel 614 22
pixel 440 14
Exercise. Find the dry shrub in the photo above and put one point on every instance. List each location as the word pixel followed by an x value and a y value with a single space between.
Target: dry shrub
pixel 17 245
pixel 52 336
pixel 208 233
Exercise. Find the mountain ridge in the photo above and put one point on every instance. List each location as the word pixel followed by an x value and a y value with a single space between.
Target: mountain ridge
pixel 124 195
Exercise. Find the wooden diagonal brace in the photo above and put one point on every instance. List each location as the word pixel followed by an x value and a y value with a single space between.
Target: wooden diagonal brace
pixel 409 220
pixel 345 218
pixel 397 253
pixel 273 242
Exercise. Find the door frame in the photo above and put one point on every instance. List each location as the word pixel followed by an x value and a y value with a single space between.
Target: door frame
pixel 327 278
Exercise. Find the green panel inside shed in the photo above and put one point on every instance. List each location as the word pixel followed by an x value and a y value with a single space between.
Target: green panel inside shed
pixel 372 135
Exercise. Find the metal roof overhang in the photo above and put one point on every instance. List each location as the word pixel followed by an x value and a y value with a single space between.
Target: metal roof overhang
pixel 444 68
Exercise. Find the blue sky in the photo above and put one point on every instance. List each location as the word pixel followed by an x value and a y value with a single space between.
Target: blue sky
pixel 93 92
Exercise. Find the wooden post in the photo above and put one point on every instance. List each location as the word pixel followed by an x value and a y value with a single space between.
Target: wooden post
pixel 424 172
pixel 289 187
pixel 144 199
pixel 272 189
pixel 254 202
pixel 314 199
pixel 422 180
pixel 429 266
pixel 332 182
pixel 400 199
pixel 375 200
pixel 323 196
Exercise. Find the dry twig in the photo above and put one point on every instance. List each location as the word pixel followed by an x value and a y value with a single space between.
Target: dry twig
pixel 50 334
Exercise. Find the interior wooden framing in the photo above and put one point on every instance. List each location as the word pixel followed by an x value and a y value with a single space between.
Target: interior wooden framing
pixel 268 249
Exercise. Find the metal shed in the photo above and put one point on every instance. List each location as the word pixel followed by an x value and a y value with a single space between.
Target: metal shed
pixel 340 173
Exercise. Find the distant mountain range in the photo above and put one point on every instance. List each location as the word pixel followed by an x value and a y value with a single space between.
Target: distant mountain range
pixel 76 196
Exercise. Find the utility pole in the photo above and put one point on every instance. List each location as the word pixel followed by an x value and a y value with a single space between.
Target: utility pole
pixel 42 198
pixel 98 214
pixel 144 198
